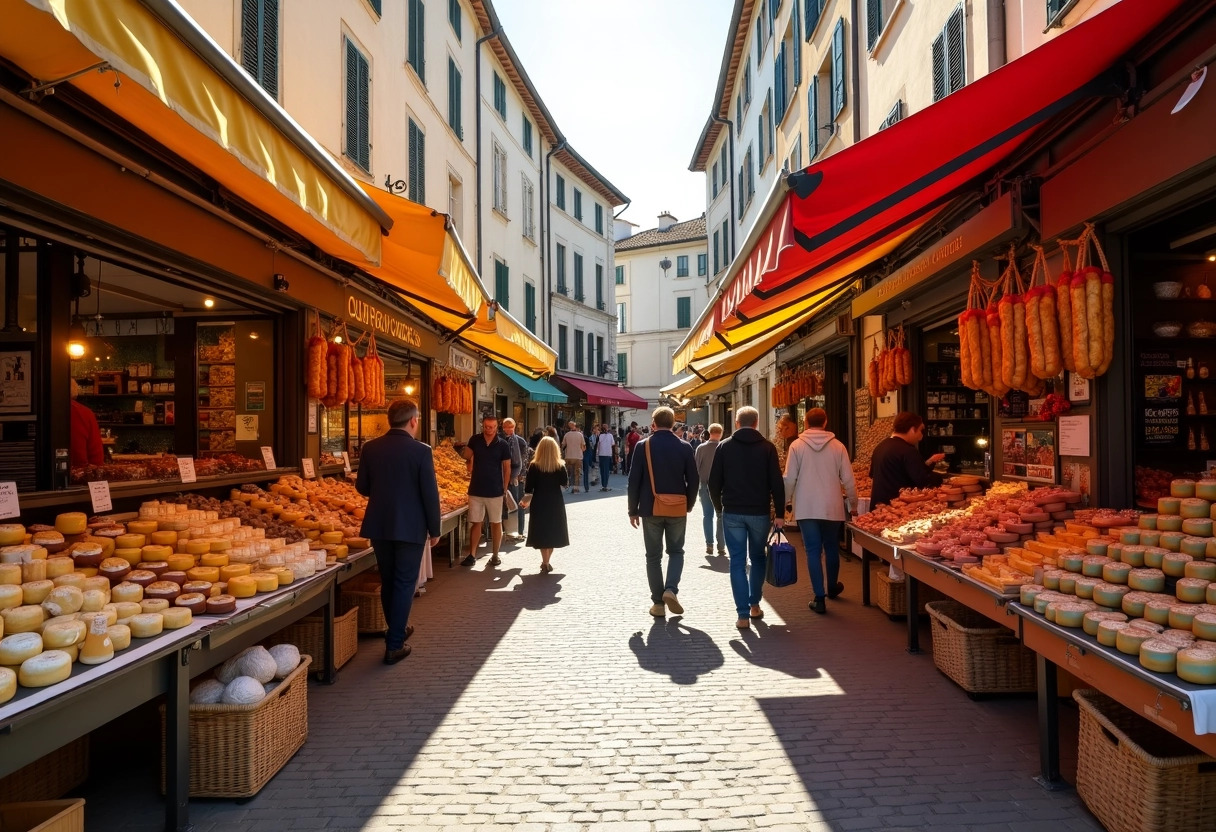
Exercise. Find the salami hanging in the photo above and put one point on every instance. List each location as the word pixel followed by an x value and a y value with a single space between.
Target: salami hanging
pixel 315 368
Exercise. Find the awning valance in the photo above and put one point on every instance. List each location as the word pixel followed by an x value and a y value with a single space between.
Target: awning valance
pixel 536 389
pixel 689 387
pixel 195 101
pixel 846 211
pixel 599 392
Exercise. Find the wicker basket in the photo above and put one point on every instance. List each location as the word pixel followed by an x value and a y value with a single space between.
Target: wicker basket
pixel 44 816
pixel 978 655
pixel 308 634
pixel 49 777
pixel 1137 777
pixel 363 593
pixel 890 595
pixel 236 749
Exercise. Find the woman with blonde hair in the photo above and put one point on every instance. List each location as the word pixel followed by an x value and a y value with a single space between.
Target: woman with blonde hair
pixel 543 498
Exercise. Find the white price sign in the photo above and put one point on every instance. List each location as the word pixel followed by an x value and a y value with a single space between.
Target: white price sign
pixel 346 461
pixel 99 493
pixel 268 457
pixel 309 471
pixel 9 506
pixel 185 467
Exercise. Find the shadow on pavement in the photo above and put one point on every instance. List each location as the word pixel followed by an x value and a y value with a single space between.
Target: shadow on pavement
pixel 777 647
pixel 717 563
pixel 674 649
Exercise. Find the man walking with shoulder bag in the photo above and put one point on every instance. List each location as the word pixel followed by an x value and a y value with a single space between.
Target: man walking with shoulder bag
pixel 745 485
pixel 662 490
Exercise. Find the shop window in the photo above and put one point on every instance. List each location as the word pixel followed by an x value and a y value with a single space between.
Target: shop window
pixel 260 43
pixel 949 58
pixel 416 45
pixel 563 333
pixel 358 107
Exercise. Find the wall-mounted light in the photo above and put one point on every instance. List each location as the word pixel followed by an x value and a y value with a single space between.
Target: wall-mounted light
pixel 209 303
pixel 409 389
pixel 981 442
pixel 253 336
pixel 76 336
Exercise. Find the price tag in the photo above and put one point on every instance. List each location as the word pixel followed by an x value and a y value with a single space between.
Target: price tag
pixel 9 507
pixel 268 457
pixel 185 467
pixel 309 471
pixel 346 461
pixel 99 493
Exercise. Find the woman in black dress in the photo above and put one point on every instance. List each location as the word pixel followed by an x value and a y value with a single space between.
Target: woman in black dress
pixel 543 498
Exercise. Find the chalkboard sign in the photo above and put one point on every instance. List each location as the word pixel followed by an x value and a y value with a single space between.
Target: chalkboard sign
pixel 1161 395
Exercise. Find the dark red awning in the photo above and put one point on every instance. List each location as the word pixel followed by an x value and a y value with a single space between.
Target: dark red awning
pixel 600 393
pixel 839 211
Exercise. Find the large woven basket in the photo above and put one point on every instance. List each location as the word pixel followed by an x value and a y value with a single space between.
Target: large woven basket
pixel 236 749
pixel 890 596
pixel 49 777
pixel 43 816
pixel 364 593
pixel 978 655
pixel 308 634
pixel 1136 776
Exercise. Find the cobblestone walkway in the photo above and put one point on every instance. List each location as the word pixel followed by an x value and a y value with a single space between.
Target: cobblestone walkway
pixel 554 703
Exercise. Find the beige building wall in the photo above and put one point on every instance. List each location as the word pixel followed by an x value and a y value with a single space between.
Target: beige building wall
pixel 1026 23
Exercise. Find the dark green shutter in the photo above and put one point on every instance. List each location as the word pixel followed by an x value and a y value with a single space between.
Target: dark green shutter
pixel 578 277
pixel 716 252
pixel 812 108
pixel 813 10
pixel 779 81
pixel 600 369
pixel 454 98
pixel 417 38
pixel 873 22
pixel 563 354
pixel 417 163
pixel 599 285
pixel 838 77
pixel 502 284
pixel 683 313
pixel 375 6
pixel 454 17
pixel 622 363
pixel 956 35
pixel 939 67
pixel 357 107
pixel 260 43
pixel 530 307
pixel 251 31
pixel 797 49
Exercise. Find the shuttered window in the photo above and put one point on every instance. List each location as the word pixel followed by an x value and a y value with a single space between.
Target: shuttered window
pixel 599 286
pixel 260 43
pixel 738 114
pixel 559 191
pixel 578 205
pixel 530 306
pixel 814 8
pixel 702 264
pixel 502 283
pixel 1056 9
pixel 603 367
pixel 358 110
pixel 897 112
pixel 838 76
pixel 500 95
pixel 591 366
pixel 529 204
pixel 527 137
pixel 563 354
pixel 949 57
pixel 620 275
pixel 454 98
pixel 622 364
pixel 797 51
pixel 416 42
pixel 578 278
pixel 578 350
pixel 725 243
pixel 375 6
pixel 500 179
pixel 812 109
pixel 769 125
pixel 874 22
pixel 683 313
pixel 454 17
pixel 599 218
pixel 779 82
pixel 417 152
pixel 560 257
pixel 717 259
pixel 621 326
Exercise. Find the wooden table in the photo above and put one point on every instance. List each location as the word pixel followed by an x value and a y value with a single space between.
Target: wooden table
pixel 1159 697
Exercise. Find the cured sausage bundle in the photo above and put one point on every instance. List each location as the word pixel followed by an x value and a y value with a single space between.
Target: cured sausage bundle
pixel 1092 298
pixel 315 367
pixel 1042 327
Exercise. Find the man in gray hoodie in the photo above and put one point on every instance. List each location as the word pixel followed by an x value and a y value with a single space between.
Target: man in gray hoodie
pixel 705 462
pixel 817 475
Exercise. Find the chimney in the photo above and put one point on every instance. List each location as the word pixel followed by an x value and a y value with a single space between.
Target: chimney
pixel 666 221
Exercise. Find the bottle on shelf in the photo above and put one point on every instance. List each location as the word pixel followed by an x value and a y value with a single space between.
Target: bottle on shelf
pixel 1190 368
pixel 1190 404
pixel 1190 439
pixel 1203 404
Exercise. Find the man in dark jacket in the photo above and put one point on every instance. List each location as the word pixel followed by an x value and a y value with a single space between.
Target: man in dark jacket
pixel 896 463
pixel 674 472
pixel 397 475
pixel 745 485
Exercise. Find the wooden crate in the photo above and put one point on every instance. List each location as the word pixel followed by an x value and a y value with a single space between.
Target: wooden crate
pixel 43 816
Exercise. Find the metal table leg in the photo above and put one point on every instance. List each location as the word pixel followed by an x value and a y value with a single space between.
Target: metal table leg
pixel 1049 727
pixel 329 674
pixel 865 577
pixel 911 587
pixel 177 742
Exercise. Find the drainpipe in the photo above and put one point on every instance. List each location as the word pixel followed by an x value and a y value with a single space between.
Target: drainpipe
pixel 730 179
pixel 477 99
pixel 546 235
pixel 996 35
pixel 855 46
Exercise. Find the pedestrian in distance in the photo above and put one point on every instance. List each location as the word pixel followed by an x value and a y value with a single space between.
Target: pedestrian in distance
pixel 631 440
pixel 535 438
pixel 397 475
pixel 704 454
pixel 573 445
pixel 489 463
pixel 817 473
pixel 663 470
pixel 521 454
pixel 543 486
pixel 605 449
pixel 590 453
pixel 896 463
pixel 745 485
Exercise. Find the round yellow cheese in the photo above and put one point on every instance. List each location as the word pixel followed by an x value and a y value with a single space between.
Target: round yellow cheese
pixel 35 592
pixel 265 581
pixel 284 575
pixel 204 573
pixel 63 600
pixel 16 648
pixel 198 547
pixel 126 609
pixel 11 596
pixel 214 559
pixel 75 579
pixel 34 570
pixel 109 612
pixel 94 600
pixel 133 555
pixel 234 570
pixel 176 617
pixel 8 684
pixel 130 541
pixel 63 634
pixel 72 522
pixel 220 545
pixel 146 625
pixel 155 553
pixel 57 567
pixel 120 634
pixel 1131 638
pixel 163 538
pixel 11 534
pixel 243 586
pixel 1159 655
pixel 154 605
pixel 46 668
pixel 181 563
pixel 144 527
pixel 127 591
pixel 10 574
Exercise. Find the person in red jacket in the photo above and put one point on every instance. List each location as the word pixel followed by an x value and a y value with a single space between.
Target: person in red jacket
pixel 86 435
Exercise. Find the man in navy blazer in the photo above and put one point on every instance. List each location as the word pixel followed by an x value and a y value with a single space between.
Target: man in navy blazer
pixel 397 475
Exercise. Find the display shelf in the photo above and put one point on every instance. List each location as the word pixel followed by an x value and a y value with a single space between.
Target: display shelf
pixel 84 395
pixel 79 494
pixel 133 425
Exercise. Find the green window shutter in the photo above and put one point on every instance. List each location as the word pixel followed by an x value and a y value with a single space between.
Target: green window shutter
pixel 251 38
pixel 376 6
pixel 530 307
pixel 796 48
pixel 716 269
pixel 417 151
pixel 502 284
pixel 702 264
pixel 563 362
pixel 454 17
pixel 622 365
pixel 683 313
pixel 454 98
pixel 600 369
pixel 838 76
pixel 738 113
pixel 599 218
pixel 873 22
pixel 620 275
pixel 812 108
pixel 578 278
pixel 779 81
pixel 357 107
pixel 591 368
pixel 260 43
pixel 527 137
pixel 500 95
pixel 956 36
pixel 578 350
pixel 578 204
pixel 939 67
pixel 813 9
pixel 725 243
pixel 560 190
pixel 599 286
pixel 417 38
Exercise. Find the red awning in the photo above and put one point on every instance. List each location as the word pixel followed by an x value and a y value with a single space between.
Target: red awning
pixel 877 191
pixel 598 392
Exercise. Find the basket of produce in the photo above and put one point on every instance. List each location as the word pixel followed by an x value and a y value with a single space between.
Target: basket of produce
pixel 308 634
pixel 43 816
pixel 244 730
pixel 49 777
pixel 363 594
pixel 1137 777
pixel 978 655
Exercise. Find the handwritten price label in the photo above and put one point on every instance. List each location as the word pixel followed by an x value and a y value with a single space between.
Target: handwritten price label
pixel 99 493
pixel 9 505
pixel 268 457
pixel 185 466
pixel 309 471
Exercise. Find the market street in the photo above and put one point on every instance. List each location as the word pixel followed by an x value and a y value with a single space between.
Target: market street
pixel 555 702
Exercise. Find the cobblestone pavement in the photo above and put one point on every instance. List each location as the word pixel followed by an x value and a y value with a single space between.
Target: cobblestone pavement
pixel 555 702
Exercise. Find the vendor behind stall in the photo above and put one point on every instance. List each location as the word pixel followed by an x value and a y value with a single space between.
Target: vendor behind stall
pixel 86 435
pixel 897 464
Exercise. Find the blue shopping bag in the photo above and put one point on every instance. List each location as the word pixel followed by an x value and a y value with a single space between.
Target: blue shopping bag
pixel 782 561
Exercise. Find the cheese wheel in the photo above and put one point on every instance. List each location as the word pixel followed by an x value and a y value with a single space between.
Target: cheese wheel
pixel 163 538
pixel 131 541
pixel 178 578
pixel 234 570
pixel 1068 583
pixel 132 556
pixel 176 617
pixel 1182 616
pixel 63 600
pixel 210 574
pixel 181 563
pixel 202 587
pixel 16 648
pixel 126 609
pixel 265 581
pixel 1108 632
pixel 11 596
pixel 1194 547
pixel 1129 536
pixel 1182 487
pixel 10 574
pixel 34 570
pixel 1067 613
pixel 35 592
pixel 60 567
pixel 220 546
pixel 243 586
pixel 1152 538
pixel 127 591
pixel 1129 639
pixel 47 668
pixel 1028 592
pixel 214 560
pixel 163 589
pixel 142 577
pixel 27 618
pixel 147 624
pixel 72 522
pixel 1154 556
pixel 88 555
pixel 1110 595
pixel 1204 626
pixel 1146 580
pixel 156 567
pixel 1159 655
pixel 154 605
pixel 115 570
pixel 1115 572
pixel 1193 507
pixel 1197 664
pixel 1092 565
pixel 1202 569
pixel 198 547
pixel 120 634
pixel 221 605
pixel 1094 618
pixel 1085 587
pixel 1169 506
pixel 196 602
pixel 52 541
pixel 1157 609
pixel 1169 522
pixel 94 600
pixel 1174 564
pixel 8 684
pixel 109 612
pixel 284 575
pixel 144 527
pixel 11 534
pixel 63 634
pixel 1191 590
pixel 97 647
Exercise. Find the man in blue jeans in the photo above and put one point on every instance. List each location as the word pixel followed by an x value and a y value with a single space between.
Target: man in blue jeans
pixel 745 485
pixel 662 464
pixel 704 454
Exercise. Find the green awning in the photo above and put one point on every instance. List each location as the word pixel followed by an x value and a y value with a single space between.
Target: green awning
pixel 538 390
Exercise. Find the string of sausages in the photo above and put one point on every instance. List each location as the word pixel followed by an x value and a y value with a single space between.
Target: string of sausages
pixel 451 393
pixel 891 367
pixel 795 385
pixel 336 375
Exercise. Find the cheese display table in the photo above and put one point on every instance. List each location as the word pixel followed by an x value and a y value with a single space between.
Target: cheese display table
pixel 451 526
pixel 873 546
pixel 955 585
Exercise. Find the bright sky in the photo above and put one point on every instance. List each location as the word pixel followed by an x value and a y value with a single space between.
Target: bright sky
pixel 630 84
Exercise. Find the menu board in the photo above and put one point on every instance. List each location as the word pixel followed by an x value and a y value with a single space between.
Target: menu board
pixel 1029 453
pixel 1161 411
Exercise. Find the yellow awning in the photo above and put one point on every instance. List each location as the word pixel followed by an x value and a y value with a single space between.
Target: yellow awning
pixel 689 387
pixel 503 339
pixel 152 79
